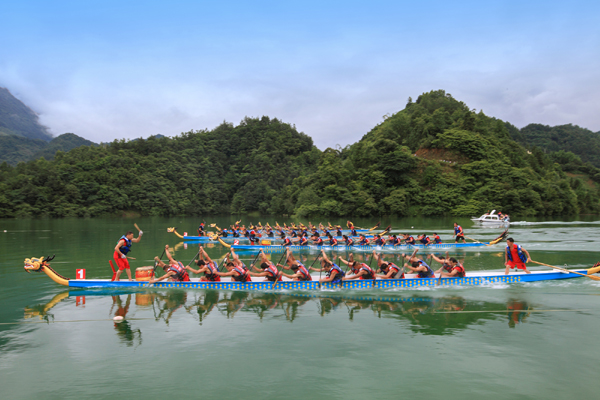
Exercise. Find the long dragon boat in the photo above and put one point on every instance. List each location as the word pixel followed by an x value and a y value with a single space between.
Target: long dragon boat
pixel 409 282
pixel 267 246
pixel 211 236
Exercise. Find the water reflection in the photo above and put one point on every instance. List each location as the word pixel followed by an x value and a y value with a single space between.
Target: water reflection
pixel 424 314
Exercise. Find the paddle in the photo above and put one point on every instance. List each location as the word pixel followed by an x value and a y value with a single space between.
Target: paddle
pixel 137 227
pixel 477 241
pixel 224 258
pixel 595 278
pixel 194 258
pixel 440 278
pixel 277 276
pixel 156 262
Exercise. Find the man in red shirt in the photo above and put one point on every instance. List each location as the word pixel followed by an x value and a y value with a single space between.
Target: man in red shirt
pixel 515 256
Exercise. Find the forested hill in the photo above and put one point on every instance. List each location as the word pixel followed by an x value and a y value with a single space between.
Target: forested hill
pixel 18 119
pixel 580 141
pixel 435 157
pixel 229 168
pixel 15 149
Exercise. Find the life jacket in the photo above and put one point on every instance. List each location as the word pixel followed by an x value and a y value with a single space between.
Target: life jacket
pixel 319 242
pixel 425 240
pixel 271 269
pixel 437 239
pixel 287 241
pixel 379 242
pixel 410 240
pixel 305 275
pixel 127 248
pixel 425 274
pixel 243 274
pixel 353 232
pixel 370 272
pixel 447 267
pixel 349 242
pixel 304 241
pixel 201 227
pixel 224 233
pixel 520 252
pixel 394 267
pixel 181 274
pixel 339 232
pixel 339 275
pixel 363 242
pixel 458 230
pixel 214 267
pixel 333 241
pixel 461 270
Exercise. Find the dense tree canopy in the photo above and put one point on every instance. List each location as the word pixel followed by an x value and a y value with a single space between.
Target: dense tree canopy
pixel 435 157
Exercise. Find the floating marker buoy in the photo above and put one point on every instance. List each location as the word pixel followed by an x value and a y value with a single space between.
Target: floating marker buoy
pixel 412 227
pixel 118 318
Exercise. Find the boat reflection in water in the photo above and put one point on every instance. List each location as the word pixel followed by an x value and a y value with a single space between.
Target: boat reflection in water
pixel 426 315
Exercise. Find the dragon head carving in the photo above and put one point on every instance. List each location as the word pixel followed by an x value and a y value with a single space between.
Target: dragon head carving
pixel 37 264
pixel 171 230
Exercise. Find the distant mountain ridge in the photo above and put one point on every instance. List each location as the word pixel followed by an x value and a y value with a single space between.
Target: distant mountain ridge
pixel 18 119
pixel 15 149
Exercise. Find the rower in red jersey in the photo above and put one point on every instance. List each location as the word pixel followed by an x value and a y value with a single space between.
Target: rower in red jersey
pixel 389 269
pixel 269 270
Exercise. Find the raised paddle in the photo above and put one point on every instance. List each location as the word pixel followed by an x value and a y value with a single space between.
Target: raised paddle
pixel 278 274
pixel 137 227
pixel 595 278
pixel 224 258
pixel 440 278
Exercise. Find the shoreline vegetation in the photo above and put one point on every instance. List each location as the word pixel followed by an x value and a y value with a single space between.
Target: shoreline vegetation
pixel 436 157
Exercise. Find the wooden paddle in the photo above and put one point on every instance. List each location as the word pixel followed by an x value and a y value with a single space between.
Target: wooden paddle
pixel 137 227
pixel 595 278
pixel 477 241
pixel 278 275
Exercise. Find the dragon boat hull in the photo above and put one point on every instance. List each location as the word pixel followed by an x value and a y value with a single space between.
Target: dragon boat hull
pixel 365 248
pixel 472 279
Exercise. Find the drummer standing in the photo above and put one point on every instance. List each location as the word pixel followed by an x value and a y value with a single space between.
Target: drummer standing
pixel 121 249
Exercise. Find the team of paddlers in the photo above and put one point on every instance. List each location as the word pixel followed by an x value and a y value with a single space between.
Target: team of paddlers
pixel 515 257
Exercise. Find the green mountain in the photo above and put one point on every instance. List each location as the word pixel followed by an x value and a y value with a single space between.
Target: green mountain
pixel 434 157
pixel 15 149
pixel 580 141
pixel 18 119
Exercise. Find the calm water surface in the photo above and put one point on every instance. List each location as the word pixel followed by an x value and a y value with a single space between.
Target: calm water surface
pixel 534 340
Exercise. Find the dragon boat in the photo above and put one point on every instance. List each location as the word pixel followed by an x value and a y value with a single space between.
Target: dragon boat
pixel 410 281
pixel 268 246
pixel 212 237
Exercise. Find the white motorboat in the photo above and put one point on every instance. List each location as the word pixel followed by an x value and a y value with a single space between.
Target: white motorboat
pixel 492 219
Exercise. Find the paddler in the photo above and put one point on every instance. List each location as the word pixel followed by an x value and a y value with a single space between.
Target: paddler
pixel 458 233
pixel 450 265
pixel 378 240
pixel 408 239
pixel 303 239
pixel 389 269
pixel 332 241
pixel 237 270
pixel 418 266
pixel 362 240
pixel 121 249
pixel 269 270
pixel 334 272
pixel 436 238
pixel 201 229
pixel 348 240
pixel 300 271
pixel 207 266
pixel 360 270
pixel 175 270
pixel 515 256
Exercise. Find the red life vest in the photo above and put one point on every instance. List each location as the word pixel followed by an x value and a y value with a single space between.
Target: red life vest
pixel 271 269
pixel 394 267
pixel 181 274
pixel 212 276
pixel 243 274
pixel 461 270
pixel 370 273
pixel 305 274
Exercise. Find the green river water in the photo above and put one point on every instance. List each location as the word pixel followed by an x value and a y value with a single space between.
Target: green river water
pixel 518 341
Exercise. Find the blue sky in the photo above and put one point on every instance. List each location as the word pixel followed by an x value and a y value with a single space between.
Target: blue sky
pixel 123 69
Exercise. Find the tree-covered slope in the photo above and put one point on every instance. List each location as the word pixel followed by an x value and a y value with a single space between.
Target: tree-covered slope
pixel 237 168
pixel 437 157
pixel 18 119
pixel 15 149
pixel 64 143
pixel 580 141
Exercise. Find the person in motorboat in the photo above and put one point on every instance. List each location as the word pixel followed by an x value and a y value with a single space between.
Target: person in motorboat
pixel 515 256
pixel 174 271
